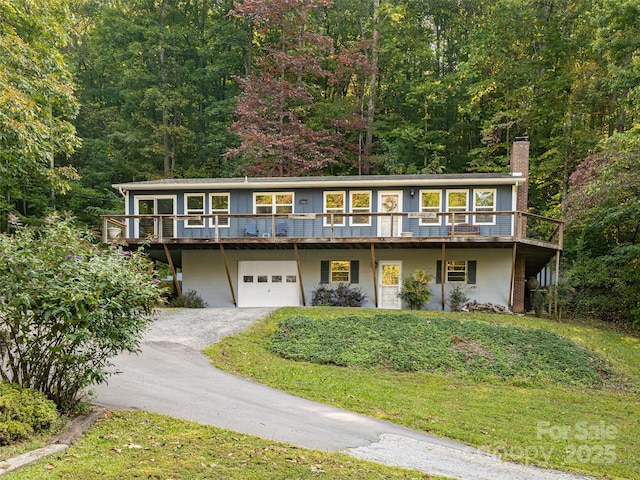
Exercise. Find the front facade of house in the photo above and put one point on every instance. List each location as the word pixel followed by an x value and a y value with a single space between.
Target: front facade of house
pixel 272 241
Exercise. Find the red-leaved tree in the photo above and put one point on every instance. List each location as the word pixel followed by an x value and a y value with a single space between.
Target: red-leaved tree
pixel 273 109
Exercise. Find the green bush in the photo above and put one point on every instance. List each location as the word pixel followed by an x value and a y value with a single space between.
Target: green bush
pixel 342 295
pixel 457 298
pixel 189 299
pixel 23 412
pixel 68 305
pixel 415 289
pixel 607 286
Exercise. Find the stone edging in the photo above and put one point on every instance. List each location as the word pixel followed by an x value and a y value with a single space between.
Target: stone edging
pixel 57 444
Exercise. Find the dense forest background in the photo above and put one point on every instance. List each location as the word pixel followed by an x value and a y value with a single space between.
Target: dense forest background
pixel 100 91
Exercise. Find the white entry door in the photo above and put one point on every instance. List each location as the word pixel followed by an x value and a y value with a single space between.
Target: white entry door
pixel 268 284
pixel 389 284
pixel 389 202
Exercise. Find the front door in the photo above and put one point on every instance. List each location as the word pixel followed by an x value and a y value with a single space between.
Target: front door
pixel 390 283
pixel 155 206
pixel 389 225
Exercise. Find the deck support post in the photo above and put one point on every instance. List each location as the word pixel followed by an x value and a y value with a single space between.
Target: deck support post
pixel 226 269
pixel 375 275
pixel 513 275
pixel 176 283
pixel 295 249
pixel 443 272
pixel 555 285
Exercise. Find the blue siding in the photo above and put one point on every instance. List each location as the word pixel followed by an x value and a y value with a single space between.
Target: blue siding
pixel 241 203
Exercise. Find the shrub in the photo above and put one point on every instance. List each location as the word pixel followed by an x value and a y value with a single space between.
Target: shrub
pixel 23 412
pixel 68 305
pixel 415 289
pixel 189 299
pixel 342 295
pixel 457 298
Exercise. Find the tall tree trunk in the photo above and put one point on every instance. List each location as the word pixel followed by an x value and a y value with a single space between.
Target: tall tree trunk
pixel 373 81
pixel 163 77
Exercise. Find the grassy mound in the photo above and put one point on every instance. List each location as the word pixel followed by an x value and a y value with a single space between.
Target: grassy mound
pixel 405 342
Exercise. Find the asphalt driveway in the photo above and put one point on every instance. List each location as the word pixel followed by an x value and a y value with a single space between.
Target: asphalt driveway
pixel 172 377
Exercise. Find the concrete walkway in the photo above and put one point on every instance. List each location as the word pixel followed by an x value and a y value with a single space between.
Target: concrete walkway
pixel 171 376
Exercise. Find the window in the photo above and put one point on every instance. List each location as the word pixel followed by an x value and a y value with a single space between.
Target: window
pixel 194 205
pixel 273 203
pixel 457 271
pixel 457 202
pixel 484 201
pixel 339 271
pixel 334 203
pixel 219 206
pixel 430 205
pixel 361 203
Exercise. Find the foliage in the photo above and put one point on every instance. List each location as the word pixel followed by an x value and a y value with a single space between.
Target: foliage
pixel 457 297
pixel 189 299
pixel 415 289
pixel 67 307
pixel 603 219
pixel 130 445
pixel 406 342
pixel 22 412
pixel 277 136
pixel 466 409
pixel 538 303
pixel 340 295
pixel 37 105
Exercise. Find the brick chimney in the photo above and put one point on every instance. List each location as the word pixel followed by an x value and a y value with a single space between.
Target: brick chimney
pixel 520 166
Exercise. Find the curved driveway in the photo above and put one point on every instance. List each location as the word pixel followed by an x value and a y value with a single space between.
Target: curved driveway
pixel 172 377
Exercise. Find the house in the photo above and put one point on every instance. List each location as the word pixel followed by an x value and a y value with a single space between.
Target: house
pixel 271 241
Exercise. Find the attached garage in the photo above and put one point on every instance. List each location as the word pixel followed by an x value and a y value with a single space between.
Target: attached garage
pixel 268 284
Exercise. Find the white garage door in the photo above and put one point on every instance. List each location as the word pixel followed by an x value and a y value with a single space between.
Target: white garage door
pixel 268 284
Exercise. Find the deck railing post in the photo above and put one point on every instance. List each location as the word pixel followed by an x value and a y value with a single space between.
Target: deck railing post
pixel 216 228
pixel 331 218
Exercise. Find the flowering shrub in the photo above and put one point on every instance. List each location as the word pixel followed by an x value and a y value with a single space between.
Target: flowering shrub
pixel 67 306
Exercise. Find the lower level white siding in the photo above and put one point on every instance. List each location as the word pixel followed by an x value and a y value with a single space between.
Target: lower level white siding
pixel 204 272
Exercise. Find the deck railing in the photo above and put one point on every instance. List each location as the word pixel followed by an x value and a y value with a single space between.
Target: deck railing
pixel 283 227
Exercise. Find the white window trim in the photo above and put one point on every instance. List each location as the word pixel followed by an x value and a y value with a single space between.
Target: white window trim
pixel 475 207
pixel 212 219
pixel 331 280
pixel 187 211
pixel 274 205
pixel 136 209
pixel 466 208
pixel 425 221
pixel 327 219
pixel 360 210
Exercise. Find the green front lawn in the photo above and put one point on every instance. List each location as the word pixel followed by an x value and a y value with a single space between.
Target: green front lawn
pixel 548 419
pixel 128 445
